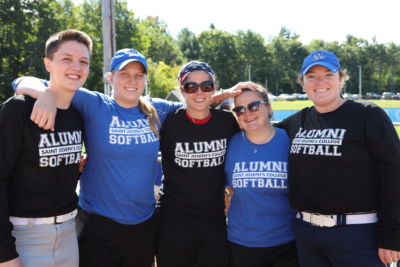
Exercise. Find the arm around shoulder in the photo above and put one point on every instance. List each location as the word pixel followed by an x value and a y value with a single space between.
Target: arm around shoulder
pixel 29 86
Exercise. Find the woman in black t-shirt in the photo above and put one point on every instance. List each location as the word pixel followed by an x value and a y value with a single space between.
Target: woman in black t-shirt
pixel 344 173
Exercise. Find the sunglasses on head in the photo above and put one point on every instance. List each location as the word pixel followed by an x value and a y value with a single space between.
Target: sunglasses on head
pixel 192 87
pixel 252 107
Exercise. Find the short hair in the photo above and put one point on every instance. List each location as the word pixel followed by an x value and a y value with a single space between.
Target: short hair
pixel 260 90
pixel 57 39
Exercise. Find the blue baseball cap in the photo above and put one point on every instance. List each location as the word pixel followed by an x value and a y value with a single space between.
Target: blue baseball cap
pixel 322 58
pixel 125 56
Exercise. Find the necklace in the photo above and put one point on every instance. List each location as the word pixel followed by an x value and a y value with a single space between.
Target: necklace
pixel 254 149
pixel 196 121
pixel 254 145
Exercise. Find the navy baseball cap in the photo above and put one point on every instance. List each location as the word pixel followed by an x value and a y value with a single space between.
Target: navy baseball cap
pixel 125 56
pixel 193 66
pixel 322 58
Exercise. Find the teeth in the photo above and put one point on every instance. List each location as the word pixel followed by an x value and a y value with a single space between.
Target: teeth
pixel 251 119
pixel 321 90
pixel 131 89
pixel 199 100
pixel 73 76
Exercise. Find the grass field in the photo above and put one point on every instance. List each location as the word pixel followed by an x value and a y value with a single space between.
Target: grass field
pixel 299 104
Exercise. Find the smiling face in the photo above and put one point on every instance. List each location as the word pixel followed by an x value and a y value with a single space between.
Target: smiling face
pixel 323 88
pixel 69 66
pixel 128 84
pixel 253 121
pixel 198 103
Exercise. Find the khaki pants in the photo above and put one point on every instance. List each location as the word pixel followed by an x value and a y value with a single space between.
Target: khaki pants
pixel 47 245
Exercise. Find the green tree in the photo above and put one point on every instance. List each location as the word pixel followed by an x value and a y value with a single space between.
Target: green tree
pixel 24 28
pixel 188 44
pixel 162 46
pixel 287 54
pixel 254 56
pixel 219 49
pixel 162 78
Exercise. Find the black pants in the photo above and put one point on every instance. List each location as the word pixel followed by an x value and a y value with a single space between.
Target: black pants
pixel 104 242
pixel 189 242
pixel 284 255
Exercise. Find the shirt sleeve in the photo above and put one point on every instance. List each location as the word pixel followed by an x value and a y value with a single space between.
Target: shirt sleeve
pixel 384 146
pixel 18 80
pixel 88 102
pixel 12 125
pixel 228 164
pixel 235 125
pixel 164 107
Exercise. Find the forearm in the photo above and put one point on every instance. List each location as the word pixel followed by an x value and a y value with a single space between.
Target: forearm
pixel 29 86
pixel 234 91
pixel 12 263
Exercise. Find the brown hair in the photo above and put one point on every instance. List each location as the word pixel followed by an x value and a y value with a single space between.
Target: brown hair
pixel 343 77
pixel 57 39
pixel 151 113
pixel 260 90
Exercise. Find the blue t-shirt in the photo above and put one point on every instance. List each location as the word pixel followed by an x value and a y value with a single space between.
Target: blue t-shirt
pixel 119 177
pixel 259 214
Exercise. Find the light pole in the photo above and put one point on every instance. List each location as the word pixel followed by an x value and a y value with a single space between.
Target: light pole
pixel 360 80
pixel 249 73
pixel 109 45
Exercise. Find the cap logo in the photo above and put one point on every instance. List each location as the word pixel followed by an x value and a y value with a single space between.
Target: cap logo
pixel 318 56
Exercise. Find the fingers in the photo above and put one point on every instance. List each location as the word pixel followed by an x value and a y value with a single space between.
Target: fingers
pixel 43 118
pixel 249 85
pixel 388 256
pixel 232 93
pixel 44 111
pixel 381 256
pixel 82 162
pixel 50 123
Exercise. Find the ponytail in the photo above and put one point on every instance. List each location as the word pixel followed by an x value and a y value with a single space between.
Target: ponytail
pixel 151 113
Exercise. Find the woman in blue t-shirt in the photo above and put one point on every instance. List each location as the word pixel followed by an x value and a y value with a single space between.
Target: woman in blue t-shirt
pixel 259 217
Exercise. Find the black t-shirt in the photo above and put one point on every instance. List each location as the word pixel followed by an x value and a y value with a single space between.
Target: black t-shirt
pixel 346 161
pixel 39 169
pixel 193 157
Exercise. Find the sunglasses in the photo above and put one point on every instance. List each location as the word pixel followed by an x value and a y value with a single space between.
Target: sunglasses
pixel 252 107
pixel 192 87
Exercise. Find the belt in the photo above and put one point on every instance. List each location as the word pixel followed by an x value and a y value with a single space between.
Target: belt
pixel 47 220
pixel 322 220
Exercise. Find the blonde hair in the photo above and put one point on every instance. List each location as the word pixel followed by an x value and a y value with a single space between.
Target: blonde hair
pixel 151 113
